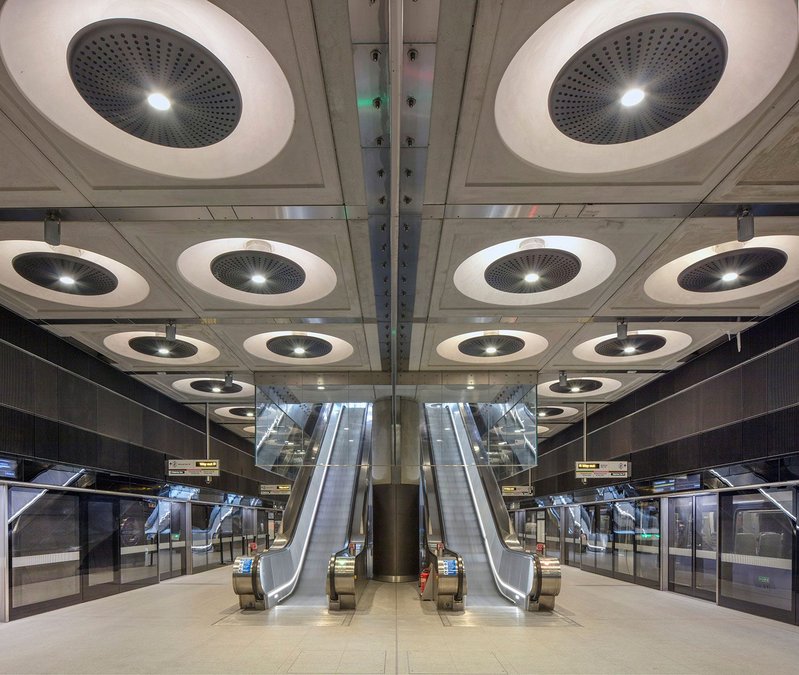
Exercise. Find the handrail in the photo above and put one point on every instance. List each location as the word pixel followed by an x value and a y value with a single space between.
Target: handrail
pixel 447 589
pixel 527 580
pixel 262 581
pixel 350 568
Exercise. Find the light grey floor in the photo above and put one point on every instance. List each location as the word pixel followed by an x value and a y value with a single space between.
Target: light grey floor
pixel 192 625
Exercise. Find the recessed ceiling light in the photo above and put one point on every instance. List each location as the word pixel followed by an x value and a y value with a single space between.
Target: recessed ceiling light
pixel 531 278
pixel 629 349
pixel 729 276
pixel 299 350
pixel 491 350
pixel 258 279
pixel 470 386
pixel 541 413
pixel 216 390
pixel 159 101
pixel 66 280
pixel 632 97
pixel 321 387
pixel 575 389
pixel 163 351
pixel 250 414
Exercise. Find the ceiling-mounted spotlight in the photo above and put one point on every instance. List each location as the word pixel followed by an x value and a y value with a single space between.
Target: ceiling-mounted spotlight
pixel 52 228
pixel 746 223
pixel 171 331
pixel 228 379
pixel 562 379
pixel 621 329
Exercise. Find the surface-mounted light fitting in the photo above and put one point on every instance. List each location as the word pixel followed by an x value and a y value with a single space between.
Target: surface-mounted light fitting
pixel 746 223
pixel 562 380
pixel 228 379
pixel 621 329
pixel 171 331
pixel 52 228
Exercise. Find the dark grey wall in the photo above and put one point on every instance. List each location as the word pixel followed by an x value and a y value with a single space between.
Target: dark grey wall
pixel 59 403
pixel 723 407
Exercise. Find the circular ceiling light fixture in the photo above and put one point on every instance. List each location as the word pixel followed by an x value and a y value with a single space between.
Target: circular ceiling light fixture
pixel 523 272
pixel 236 412
pixel 214 387
pixel 540 429
pixel 299 346
pixel 232 269
pixel 493 346
pixel 578 387
pixel 532 270
pixel 182 89
pixel 679 57
pixel 69 275
pixel 732 269
pixel 116 64
pixel 283 346
pixel 727 272
pixel 253 271
pixel 591 56
pixel 639 345
pixel 155 347
pixel 553 413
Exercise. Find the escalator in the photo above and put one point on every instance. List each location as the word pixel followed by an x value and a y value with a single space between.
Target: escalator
pixel 316 521
pixel 476 523
pixel 330 530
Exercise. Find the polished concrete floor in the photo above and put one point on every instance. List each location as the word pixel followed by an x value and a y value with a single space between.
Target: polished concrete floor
pixel 193 625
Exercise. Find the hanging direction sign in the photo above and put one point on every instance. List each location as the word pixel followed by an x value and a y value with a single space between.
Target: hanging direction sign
pixel 602 469
pixel 518 490
pixel 192 467
pixel 275 490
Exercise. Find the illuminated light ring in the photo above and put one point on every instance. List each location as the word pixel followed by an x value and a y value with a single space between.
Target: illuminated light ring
pixel 662 285
pixel 256 345
pixel 608 385
pixel 597 264
pixel 118 343
pixel 194 264
pixel 184 387
pixel 761 41
pixel 131 289
pixel 676 341
pixel 533 344
pixel 34 42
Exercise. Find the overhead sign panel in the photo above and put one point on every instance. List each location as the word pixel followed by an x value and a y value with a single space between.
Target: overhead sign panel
pixel 192 467
pixel 518 491
pixel 602 469
pixel 275 489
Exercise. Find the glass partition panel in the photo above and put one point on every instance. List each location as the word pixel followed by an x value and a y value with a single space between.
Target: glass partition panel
pixel 706 546
pixel 623 540
pixel 604 538
pixel 575 536
pixel 138 532
pixel 681 544
pixel 45 553
pixel 200 536
pixel 647 541
pixel 589 536
pixel 553 532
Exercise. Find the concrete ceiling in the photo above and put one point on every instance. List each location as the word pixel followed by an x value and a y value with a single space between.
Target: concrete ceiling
pixel 462 190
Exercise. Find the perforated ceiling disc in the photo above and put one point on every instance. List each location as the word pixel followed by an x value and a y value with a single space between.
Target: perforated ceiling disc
pixel 242 412
pixel 582 385
pixel 549 411
pixel 674 60
pixel 532 270
pixel 491 345
pixel 632 345
pixel 299 346
pixel 119 65
pixel 748 265
pixel 64 273
pixel 162 348
pixel 259 272
pixel 208 386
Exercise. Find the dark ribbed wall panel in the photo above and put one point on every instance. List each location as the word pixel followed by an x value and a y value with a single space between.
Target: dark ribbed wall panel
pixel 75 409
pixel 696 417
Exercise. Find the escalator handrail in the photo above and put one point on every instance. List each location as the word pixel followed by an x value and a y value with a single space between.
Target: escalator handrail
pixel 299 487
pixel 525 560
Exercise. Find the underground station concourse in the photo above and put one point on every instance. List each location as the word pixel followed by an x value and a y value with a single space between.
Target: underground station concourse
pixel 399 336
